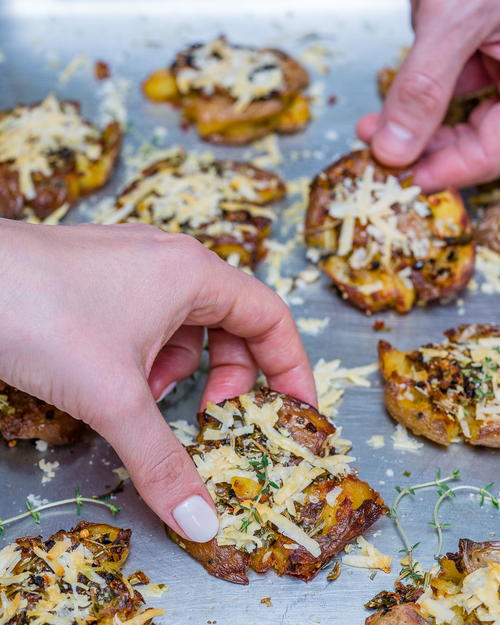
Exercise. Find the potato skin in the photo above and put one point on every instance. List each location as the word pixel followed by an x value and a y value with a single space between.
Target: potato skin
pixel 358 506
pixel 215 116
pixel 422 414
pixel 30 418
pixel 403 614
pixel 445 271
pixel 110 547
pixel 74 176
pixel 252 248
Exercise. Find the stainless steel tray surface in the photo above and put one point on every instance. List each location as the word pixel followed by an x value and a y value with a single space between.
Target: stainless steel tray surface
pixel 37 40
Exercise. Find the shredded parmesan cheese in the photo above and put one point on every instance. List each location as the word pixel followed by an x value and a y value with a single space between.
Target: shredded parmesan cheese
pixel 369 558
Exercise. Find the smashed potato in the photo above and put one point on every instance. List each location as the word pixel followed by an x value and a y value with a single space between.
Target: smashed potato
pixel 50 156
pixel 487 231
pixel 221 203
pixel 23 416
pixel 234 94
pixel 286 500
pixel 73 577
pixel 464 590
pixel 449 391
pixel 384 244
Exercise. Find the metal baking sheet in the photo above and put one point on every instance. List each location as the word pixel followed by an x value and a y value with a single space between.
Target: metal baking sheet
pixel 37 39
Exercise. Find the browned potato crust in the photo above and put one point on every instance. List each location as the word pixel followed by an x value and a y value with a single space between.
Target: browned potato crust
pixel 445 392
pixel 407 605
pixel 217 113
pixel 72 173
pixel 431 254
pixel 224 203
pixel 101 551
pixel 356 506
pixel 23 416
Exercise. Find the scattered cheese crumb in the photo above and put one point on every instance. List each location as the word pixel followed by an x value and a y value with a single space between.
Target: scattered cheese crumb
pixel 41 445
pixel 122 473
pixel 389 473
pixel 312 326
pixel 270 149
pixel 36 501
pixel 315 55
pixel 369 558
pixel 376 441
pixel 403 441
pixel 154 590
pixel 80 61
pixel 332 135
pixel 49 470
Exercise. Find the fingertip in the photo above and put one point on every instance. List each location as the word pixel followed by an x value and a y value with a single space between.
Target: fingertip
pixel 394 145
pixel 366 126
pixel 197 519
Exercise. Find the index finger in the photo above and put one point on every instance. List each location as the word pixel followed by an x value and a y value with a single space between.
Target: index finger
pixel 245 307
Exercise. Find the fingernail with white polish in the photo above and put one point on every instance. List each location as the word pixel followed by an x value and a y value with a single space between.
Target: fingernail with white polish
pixel 395 138
pixel 168 389
pixel 196 519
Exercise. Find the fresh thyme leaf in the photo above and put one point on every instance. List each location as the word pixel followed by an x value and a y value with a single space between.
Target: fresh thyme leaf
pixel 33 512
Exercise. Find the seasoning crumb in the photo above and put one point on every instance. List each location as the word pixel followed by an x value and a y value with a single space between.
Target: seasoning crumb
pixel 267 601
pixel 379 326
pixel 101 70
pixel 334 573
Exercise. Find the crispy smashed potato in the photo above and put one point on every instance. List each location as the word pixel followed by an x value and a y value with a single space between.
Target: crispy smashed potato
pixel 23 416
pixel 73 577
pixel 221 203
pixel 384 244
pixel 465 590
pixel 449 391
pixel 286 500
pixel 234 94
pixel 50 157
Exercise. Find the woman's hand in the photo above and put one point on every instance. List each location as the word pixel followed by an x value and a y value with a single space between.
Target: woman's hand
pixel 99 320
pixel 456 51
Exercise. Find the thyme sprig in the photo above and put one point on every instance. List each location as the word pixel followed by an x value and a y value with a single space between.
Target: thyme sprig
pixel 412 569
pixel 78 499
pixel 261 469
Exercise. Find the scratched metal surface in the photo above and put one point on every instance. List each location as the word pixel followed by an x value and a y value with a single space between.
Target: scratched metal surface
pixel 136 38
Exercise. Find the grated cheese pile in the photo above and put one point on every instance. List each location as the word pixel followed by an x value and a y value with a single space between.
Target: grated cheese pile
pixel 246 73
pixel 476 599
pixel 403 441
pixel 368 558
pixel 370 204
pixel 464 375
pixel 63 582
pixel 32 139
pixel 268 471
pixel 199 196
pixel 331 379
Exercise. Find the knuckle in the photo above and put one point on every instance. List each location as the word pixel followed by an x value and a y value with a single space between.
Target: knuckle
pixel 420 92
pixel 168 469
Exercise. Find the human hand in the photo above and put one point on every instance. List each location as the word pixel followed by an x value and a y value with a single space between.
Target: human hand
pixel 456 51
pixel 98 320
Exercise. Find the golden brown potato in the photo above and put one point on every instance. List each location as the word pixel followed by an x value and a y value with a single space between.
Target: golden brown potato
pixel 383 243
pixel 234 94
pixel 286 500
pixel 221 203
pixel 448 391
pixel 50 156
pixel 464 590
pixel 75 574
pixel 23 416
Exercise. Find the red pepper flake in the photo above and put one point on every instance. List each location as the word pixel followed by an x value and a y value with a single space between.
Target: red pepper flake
pixel 332 99
pixel 379 325
pixel 101 70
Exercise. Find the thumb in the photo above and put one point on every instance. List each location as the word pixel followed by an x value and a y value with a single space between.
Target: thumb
pixel 421 92
pixel 160 467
